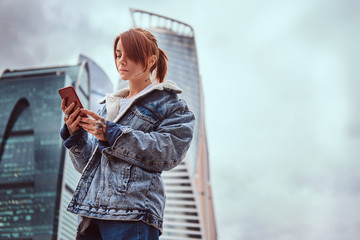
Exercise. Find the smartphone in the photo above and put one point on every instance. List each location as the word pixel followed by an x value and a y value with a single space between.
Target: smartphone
pixel 69 94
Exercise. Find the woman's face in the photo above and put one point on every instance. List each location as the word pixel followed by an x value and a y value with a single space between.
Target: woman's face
pixel 128 69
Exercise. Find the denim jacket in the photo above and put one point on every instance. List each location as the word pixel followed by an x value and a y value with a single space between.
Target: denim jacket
pixel 121 179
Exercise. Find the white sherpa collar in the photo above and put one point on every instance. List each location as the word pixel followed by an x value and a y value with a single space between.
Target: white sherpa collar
pixel 113 99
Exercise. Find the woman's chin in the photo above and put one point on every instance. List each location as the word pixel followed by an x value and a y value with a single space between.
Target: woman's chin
pixel 124 77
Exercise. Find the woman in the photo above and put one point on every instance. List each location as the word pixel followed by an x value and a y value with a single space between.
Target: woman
pixel 122 150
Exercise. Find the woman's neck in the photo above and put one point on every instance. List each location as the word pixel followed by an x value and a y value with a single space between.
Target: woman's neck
pixel 137 86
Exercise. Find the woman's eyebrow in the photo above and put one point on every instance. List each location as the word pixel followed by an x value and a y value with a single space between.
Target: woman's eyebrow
pixel 117 50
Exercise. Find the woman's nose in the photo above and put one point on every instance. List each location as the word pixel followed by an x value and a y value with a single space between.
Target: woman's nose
pixel 121 61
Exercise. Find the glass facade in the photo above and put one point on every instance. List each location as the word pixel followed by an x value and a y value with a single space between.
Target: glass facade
pixel 37 178
pixel 31 163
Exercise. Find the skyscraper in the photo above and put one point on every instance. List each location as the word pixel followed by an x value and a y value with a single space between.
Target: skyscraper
pixel 37 178
pixel 189 212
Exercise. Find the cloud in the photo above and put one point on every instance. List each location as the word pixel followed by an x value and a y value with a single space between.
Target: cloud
pixel 18 27
pixel 37 33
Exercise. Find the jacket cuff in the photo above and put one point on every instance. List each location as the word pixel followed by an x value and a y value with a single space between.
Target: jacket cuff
pixel 64 132
pixel 113 132
pixel 77 139
pixel 103 144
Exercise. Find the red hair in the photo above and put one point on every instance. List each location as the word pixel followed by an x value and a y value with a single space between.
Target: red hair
pixel 139 45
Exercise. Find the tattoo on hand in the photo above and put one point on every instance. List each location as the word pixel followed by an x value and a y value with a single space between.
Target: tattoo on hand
pixel 101 125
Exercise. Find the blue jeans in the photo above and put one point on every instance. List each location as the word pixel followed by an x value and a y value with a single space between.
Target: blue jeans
pixel 120 230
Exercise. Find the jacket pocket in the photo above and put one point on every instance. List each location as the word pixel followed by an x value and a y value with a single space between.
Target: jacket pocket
pixel 144 119
pixel 124 176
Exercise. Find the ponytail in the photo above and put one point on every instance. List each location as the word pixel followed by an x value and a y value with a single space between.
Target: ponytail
pixel 161 66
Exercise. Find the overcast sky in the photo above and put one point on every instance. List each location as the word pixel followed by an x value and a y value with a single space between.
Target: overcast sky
pixel 281 85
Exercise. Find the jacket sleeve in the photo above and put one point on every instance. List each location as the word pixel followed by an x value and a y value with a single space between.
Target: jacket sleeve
pixel 80 146
pixel 156 151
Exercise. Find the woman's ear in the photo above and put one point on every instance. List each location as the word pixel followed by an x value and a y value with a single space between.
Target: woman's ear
pixel 152 60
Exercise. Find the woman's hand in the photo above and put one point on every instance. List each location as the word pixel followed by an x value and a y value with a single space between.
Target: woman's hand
pixel 71 120
pixel 96 126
